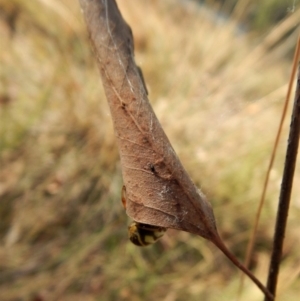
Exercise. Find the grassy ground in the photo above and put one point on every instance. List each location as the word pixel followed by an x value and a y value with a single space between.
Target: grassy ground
pixel 217 92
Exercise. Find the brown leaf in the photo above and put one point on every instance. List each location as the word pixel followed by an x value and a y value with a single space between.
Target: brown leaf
pixel 159 190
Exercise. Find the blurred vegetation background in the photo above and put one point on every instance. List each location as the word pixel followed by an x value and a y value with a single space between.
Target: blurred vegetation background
pixel 217 74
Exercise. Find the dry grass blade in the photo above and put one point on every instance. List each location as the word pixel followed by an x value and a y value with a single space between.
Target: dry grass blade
pixel 159 190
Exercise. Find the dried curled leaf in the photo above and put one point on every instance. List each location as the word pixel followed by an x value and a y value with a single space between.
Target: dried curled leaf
pixel 159 190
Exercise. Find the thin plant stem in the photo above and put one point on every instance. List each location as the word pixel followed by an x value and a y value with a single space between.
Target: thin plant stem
pixel 252 239
pixel 285 191
pixel 219 243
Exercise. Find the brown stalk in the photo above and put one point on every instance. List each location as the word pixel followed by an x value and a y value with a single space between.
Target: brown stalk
pixel 286 187
pixel 252 239
pixel 159 191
